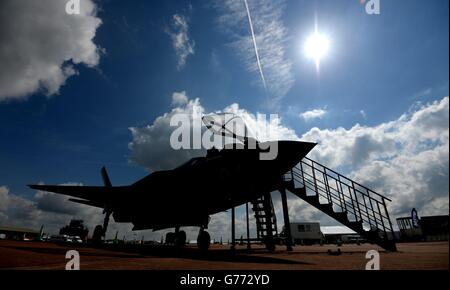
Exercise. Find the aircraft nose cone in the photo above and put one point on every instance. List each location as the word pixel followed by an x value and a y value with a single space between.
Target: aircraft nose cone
pixel 290 153
pixel 281 156
pixel 294 150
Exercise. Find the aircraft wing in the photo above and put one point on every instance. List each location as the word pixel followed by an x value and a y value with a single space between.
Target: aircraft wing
pixel 94 194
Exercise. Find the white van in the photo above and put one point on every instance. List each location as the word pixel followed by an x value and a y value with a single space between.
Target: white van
pixel 306 233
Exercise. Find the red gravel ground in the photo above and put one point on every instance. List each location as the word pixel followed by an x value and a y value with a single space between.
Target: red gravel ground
pixel 49 256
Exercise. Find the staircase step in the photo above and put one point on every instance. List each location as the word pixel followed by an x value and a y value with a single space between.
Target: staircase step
pixel 264 231
pixel 327 208
pixel 298 191
pixel 356 226
pixel 314 199
pixel 265 217
pixel 289 184
pixel 265 234
pixel 341 217
pixel 258 209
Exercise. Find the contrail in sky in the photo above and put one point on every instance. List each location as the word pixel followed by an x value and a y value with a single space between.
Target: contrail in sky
pixel 254 44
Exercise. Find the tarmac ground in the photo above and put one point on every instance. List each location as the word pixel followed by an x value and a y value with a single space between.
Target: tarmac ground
pixel 20 255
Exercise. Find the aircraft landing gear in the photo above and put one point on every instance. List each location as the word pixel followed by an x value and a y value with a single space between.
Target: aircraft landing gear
pixel 98 234
pixel 178 238
pixel 203 240
pixel 100 231
pixel 270 245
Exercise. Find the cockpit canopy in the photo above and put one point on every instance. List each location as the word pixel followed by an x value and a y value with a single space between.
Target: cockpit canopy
pixel 228 125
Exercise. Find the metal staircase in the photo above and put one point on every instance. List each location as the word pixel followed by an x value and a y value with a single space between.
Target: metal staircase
pixel 266 221
pixel 350 203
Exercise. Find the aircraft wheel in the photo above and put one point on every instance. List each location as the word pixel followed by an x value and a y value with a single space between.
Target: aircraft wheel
pixel 98 234
pixel 180 239
pixel 170 238
pixel 270 246
pixel 203 240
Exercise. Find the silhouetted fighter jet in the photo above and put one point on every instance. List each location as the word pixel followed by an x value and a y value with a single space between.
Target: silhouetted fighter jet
pixel 189 194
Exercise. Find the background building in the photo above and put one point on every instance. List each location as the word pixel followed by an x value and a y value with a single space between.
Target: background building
pixel 306 233
pixel 429 228
pixel 340 234
pixel 20 234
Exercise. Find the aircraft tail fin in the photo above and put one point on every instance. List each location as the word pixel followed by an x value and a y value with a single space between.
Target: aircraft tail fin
pixel 105 177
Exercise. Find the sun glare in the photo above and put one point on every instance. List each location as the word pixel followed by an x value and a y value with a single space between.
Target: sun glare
pixel 317 47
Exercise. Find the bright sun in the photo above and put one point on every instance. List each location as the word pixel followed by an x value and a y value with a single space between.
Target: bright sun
pixel 317 47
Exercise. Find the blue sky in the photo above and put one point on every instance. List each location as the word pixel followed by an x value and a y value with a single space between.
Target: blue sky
pixel 380 64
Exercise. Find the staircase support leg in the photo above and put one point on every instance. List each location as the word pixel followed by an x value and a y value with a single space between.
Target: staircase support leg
pixel 248 227
pixel 269 227
pixel 233 229
pixel 287 223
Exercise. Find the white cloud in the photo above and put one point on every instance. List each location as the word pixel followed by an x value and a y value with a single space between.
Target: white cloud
pixel 150 147
pixel 422 93
pixel 55 203
pixel 363 114
pixel 270 35
pixel 14 208
pixel 40 45
pixel 313 114
pixel 179 99
pixel 405 159
pixel 52 211
pixel 179 33
pixel 262 127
